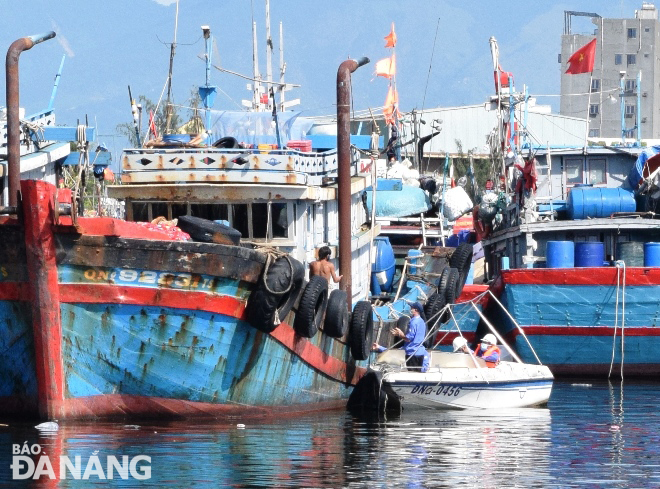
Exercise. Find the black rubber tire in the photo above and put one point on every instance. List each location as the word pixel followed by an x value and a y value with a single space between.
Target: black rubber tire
pixel 262 305
pixel 444 277
pixel 435 303
pixel 207 231
pixel 336 315
pixel 312 306
pixel 461 259
pixel 361 330
pixel 454 287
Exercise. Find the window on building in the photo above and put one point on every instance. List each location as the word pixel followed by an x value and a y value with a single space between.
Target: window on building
pixel 594 133
pixel 630 111
pixel 632 33
pixel 593 110
pixel 631 59
pixel 573 169
pixel 631 85
pixel 618 59
pixel 595 85
pixel 647 29
pixel 559 58
pixel 597 171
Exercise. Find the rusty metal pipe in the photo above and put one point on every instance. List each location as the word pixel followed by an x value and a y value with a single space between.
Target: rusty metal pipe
pixel 13 119
pixel 344 170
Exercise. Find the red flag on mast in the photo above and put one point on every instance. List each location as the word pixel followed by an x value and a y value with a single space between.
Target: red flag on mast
pixel 582 60
pixel 390 39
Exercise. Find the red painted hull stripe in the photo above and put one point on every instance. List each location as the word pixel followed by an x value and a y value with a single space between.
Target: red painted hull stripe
pixel 144 296
pixel 202 301
pixel 581 276
pixel 588 331
pixel 15 291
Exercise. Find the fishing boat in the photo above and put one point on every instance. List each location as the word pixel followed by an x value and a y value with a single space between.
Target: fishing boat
pixel 453 380
pixel 570 244
pixel 215 316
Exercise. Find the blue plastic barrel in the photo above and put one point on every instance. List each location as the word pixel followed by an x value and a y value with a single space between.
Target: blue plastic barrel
pixel 652 254
pixel 560 254
pixel 382 271
pixel 584 202
pixel 589 254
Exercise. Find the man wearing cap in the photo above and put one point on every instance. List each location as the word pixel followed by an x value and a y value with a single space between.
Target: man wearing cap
pixel 488 350
pixel 416 354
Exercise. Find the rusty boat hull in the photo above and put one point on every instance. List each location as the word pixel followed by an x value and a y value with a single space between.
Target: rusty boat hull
pixel 101 318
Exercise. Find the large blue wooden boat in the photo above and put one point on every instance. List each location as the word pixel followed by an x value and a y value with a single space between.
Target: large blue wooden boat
pixel 104 317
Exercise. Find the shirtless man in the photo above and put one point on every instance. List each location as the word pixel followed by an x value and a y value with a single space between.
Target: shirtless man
pixel 323 267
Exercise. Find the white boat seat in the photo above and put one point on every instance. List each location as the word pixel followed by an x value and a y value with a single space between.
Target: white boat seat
pixel 439 359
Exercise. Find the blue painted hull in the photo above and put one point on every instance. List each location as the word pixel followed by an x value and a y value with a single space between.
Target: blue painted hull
pixel 571 323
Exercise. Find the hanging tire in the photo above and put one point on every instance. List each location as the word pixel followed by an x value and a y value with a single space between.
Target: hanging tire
pixel 461 260
pixel 444 277
pixel 454 287
pixel 336 315
pixel 312 306
pixel 361 330
pixel 275 294
pixel 433 306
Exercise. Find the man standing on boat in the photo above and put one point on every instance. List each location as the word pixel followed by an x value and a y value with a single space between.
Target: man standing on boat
pixel 324 267
pixel 413 341
pixel 488 350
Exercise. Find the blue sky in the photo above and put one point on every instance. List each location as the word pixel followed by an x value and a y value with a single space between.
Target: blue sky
pixel 112 44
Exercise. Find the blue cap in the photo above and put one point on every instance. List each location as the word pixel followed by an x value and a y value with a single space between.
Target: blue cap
pixel 417 305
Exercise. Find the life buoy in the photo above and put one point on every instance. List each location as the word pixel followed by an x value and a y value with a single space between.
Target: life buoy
pixel 361 330
pixel 312 305
pixel 336 315
pixel 275 294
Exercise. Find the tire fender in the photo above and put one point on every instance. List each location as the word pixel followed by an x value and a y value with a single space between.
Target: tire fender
pixel 336 315
pixel 361 330
pixel 312 306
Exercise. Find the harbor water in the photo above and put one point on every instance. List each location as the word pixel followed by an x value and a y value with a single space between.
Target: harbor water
pixel 592 434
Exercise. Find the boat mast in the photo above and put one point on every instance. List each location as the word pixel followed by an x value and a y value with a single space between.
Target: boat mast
pixel 280 88
pixel 269 49
pixel 168 107
pixel 494 50
pixel 256 92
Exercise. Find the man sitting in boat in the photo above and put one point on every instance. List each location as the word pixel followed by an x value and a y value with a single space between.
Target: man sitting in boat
pixel 460 346
pixel 413 342
pixel 324 267
pixel 488 350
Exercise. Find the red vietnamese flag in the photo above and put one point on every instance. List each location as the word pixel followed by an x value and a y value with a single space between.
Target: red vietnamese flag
pixel 582 60
pixel 390 39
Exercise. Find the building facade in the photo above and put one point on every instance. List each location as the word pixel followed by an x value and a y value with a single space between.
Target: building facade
pixel 621 99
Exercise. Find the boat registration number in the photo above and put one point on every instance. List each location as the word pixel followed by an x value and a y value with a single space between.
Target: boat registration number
pixel 444 390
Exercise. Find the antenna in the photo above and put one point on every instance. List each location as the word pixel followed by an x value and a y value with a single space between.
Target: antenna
pixel 269 47
pixel 256 92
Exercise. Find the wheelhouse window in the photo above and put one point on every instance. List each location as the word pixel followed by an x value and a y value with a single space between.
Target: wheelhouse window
pixel 260 221
pixel 597 171
pixel 573 169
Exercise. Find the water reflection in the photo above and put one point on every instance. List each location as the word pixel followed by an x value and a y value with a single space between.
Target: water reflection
pixel 592 435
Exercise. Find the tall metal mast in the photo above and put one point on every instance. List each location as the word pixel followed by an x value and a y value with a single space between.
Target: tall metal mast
pixel 168 107
pixel 269 48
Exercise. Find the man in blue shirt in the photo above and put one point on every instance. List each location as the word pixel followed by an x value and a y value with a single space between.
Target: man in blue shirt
pixel 416 354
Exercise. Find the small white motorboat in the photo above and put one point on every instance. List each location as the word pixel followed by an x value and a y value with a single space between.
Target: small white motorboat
pixel 463 381
pixel 458 380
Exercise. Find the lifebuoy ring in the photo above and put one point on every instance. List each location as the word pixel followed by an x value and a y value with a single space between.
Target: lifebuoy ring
pixel 312 305
pixel 275 293
pixel 361 330
pixel 336 315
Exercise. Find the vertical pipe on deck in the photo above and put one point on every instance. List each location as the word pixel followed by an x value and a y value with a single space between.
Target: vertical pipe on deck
pixel 344 170
pixel 13 119
pixel 38 202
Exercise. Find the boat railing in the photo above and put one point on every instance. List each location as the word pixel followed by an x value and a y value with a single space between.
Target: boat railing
pixel 224 165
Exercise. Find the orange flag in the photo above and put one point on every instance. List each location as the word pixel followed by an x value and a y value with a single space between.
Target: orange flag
pixel 386 67
pixel 582 60
pixel 390 39
pixel 391 105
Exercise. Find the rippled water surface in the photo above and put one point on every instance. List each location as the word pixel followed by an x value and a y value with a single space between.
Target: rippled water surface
pixel 593 434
